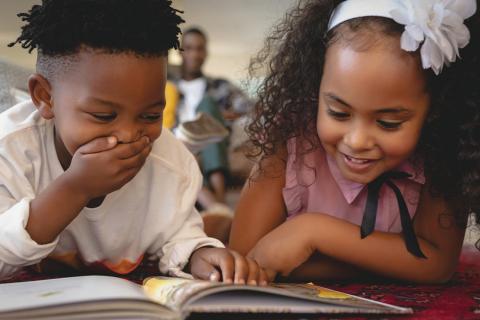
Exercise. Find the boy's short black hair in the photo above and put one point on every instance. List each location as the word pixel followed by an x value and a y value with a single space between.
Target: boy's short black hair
pixel 60 28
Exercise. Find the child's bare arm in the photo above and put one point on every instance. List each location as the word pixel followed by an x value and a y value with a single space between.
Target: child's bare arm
pixel 320 267
pixel 97 168
pixel 440 239
pixel 260 208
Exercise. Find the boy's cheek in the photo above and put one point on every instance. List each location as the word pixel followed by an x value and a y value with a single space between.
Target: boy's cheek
pixel 154 136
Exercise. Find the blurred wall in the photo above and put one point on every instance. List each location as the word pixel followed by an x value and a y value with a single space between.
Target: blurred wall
pixel 236 29
pixel 10 26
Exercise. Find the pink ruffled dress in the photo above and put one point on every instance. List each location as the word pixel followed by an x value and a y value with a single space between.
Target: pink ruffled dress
pixel 316 185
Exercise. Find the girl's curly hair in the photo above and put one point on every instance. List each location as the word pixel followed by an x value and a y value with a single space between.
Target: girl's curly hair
pixel 294 56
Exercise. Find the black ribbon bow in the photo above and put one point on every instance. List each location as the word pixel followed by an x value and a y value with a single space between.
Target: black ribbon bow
pixel 370 213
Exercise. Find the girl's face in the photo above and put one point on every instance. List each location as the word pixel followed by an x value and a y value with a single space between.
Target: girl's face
pixel 372 106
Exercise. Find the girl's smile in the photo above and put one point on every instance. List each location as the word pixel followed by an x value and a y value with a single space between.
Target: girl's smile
pixel 357 164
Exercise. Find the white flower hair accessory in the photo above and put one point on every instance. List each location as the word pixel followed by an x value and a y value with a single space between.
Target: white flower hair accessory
pixel 435 25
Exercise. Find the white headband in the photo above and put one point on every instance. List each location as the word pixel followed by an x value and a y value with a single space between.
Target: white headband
pixel 436 23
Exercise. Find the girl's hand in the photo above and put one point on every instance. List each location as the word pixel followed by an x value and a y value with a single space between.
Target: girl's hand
pixel 102 165
pixel 217 264
pixel 285 247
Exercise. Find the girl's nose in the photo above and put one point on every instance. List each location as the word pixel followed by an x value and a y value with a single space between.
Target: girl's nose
pixel 358 139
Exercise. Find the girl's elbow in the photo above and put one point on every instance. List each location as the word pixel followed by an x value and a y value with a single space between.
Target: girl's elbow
pixel 439 274
pixel 444 276
pixel 437 279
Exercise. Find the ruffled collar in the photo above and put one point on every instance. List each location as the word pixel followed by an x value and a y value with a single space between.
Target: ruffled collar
pixel 351 190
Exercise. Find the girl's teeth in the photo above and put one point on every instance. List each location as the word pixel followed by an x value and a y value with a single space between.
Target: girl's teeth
pixel 359 161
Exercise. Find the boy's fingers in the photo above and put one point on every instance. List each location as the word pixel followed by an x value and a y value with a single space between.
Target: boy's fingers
pixel 241 268
pixel 216 258
pixel 128 175
pixel 214 275
pixel 128 150
pixel 138 160
pixel 206 271
pixel 227 265
pixel 98 145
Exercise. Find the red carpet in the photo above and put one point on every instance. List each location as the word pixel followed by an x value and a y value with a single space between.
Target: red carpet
pixel 458 299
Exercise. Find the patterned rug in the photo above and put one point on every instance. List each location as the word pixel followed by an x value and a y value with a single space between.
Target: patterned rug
pixel 458 299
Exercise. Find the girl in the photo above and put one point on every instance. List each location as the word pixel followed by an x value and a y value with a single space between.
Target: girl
pixel 367 130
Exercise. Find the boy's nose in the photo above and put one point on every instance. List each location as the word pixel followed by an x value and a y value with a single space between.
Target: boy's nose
pixel 129 134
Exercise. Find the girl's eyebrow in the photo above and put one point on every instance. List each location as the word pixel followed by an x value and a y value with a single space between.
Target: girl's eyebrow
pixel 395 110
pixel 337 99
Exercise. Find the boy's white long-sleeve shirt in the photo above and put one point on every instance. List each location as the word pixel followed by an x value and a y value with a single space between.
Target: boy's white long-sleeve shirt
pixel 152 215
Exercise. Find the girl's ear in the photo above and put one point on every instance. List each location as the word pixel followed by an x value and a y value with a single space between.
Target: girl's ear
pixel 40 92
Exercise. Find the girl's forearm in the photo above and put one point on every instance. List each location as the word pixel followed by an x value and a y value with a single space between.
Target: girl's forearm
pixel 380 252
pixel 325 268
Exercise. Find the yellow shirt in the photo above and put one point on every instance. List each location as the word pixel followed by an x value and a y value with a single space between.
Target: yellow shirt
pixel 171 97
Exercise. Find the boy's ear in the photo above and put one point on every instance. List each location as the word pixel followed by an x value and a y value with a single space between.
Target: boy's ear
pixel 41 94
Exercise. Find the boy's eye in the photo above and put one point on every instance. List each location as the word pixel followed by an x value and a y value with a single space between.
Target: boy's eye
pixel 104 116
pixel 337 114
pixel 151 117
pixel 389 125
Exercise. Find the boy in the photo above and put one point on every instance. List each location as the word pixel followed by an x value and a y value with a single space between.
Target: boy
pixel 87 177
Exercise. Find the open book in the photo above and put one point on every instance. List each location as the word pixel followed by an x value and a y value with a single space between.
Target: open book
pixel 104 297
pixel 200 132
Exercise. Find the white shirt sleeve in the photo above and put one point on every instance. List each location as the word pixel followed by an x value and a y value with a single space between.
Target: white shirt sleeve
pixel 17 249
pixel 186 233
pixel 188 238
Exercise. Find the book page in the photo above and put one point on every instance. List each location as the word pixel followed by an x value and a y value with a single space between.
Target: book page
pixel 242 301
pixel 174 292
pixel 313 292
pixel 43 293
pixel 204 296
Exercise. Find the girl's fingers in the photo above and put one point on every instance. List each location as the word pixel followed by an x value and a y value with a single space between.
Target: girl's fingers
pixel 271 275
pixel 262 277
pixel 253 271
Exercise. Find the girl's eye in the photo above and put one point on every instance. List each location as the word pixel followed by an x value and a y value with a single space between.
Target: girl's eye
pixel 338 115
pixel 151 117
pixel 389 125
pixel 104 116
